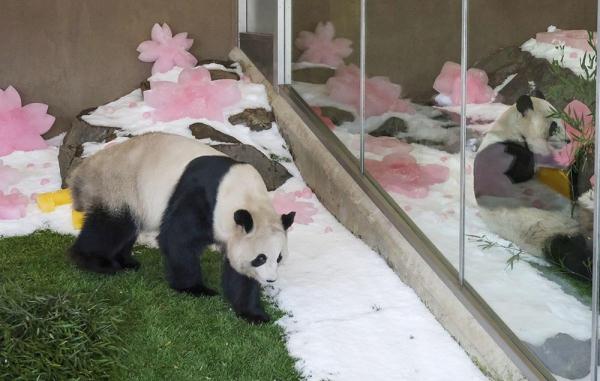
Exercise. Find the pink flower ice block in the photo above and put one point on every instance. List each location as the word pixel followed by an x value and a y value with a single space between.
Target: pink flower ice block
pixel 288 202
pixel 400 173
pixel 321 47
pixel 579 111
pixel 13 205
pixel 577 39
pixel 8 176
pixel 193 96
pixel 381 95
pixel 21 126
pixel 166 50
pixel 448 83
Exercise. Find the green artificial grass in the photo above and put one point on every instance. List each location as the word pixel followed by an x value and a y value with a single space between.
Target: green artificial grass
pixel 59 323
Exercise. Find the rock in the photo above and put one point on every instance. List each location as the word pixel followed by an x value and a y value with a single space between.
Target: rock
pixel 391 127
pixel 337 116
pixel 512 60
pixel 222 74
pixel 144 86
pixel 273 173
pixel 318 75
pixel 258 119
pixel 204 131
pixel 565 356
pixel 69 154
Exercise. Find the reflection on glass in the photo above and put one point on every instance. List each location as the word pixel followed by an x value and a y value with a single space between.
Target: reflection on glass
pixel 529 205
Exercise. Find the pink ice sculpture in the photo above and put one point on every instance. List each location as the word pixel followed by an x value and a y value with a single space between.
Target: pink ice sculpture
pixel 166 50
pixel 400 173
pixel 13 205
pixel 8 176
pixel 577 39
pixel 21 126
pixel 194 95
pixel 381 95
pixel 321 47
pixel 578 111
pixel 284 202
pixel 448 83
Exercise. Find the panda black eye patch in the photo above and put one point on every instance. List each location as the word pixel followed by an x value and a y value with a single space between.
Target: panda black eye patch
pixel 279 258
pixel 259 260
pixel 553 130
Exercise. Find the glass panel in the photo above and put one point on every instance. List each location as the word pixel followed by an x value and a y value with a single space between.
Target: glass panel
pixel 412 146
pixel 325 69
pixel 528 203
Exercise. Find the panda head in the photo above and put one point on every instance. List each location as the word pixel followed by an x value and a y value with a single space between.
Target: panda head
pixel 259 245
pixel 543 133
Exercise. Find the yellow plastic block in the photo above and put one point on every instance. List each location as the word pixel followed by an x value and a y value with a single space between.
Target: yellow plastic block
pixel 556 179
pixel 77 218
pixel 47 202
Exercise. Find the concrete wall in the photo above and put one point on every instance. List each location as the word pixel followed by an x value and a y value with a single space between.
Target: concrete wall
pixel 74 54
pixel 409 40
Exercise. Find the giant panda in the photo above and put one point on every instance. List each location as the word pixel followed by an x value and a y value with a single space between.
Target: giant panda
pixel 514 204
pixel 194 196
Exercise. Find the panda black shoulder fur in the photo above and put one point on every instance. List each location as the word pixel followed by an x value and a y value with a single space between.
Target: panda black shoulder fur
pixel 194 196
pixel 511 200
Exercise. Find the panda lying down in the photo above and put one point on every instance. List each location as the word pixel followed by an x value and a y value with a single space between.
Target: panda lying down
pixel 194 196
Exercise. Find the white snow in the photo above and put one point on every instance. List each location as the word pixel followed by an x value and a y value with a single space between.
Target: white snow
pixel 571 59
pixel 347 315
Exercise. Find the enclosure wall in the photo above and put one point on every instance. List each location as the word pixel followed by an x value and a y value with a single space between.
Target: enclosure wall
pixel 74 54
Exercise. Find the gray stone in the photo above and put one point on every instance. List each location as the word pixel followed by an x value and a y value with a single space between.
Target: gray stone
pixel 257 119
pixel 337 116
pixel 565 356
pixel 216 74
pixel 391 127
pixel 273 173
pixel 204 131
pixel 317 75
pixel 69 154
pixel 512 60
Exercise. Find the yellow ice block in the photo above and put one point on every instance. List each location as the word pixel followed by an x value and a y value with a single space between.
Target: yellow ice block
pixel 77 219
pixel 47 202
pixel 556 179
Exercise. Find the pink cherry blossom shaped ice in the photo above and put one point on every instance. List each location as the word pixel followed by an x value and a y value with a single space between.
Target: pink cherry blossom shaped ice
pixel 166 50
pixel 194 95
pixel 448 83
pixel 400 173
pixel 321 47
pixel 381 94
pixel 284 202
pixel 8 176
pixel 13 205
pixel 21 127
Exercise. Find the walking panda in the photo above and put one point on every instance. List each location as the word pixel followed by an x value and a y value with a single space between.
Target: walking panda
pixel 194 196
pixel 514 204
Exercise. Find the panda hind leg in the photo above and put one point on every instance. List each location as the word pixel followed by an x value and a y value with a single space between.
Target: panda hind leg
pixel 574 253
pixel 105 241
pixel 244 295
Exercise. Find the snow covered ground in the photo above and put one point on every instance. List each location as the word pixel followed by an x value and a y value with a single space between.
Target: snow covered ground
pixel 348 316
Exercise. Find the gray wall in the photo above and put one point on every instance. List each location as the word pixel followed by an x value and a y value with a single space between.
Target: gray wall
pixel 409 40
pixel 74 54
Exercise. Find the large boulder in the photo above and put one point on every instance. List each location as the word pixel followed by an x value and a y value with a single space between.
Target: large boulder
pixel 512 60
pixel 69 154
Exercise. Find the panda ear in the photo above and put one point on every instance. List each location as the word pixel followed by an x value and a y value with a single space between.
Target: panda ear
pixel 524 104
pixel 243 218
pixel 287 220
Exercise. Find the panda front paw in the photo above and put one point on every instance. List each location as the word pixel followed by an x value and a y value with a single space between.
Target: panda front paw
pixel 255 317
pixel 198 290
pixel 131 264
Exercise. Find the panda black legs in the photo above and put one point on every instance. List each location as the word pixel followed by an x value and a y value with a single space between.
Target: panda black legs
pixel 105 242
pixel 571 252
pixel 184 272
pixel 244 295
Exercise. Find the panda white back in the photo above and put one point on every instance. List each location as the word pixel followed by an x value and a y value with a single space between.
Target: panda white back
pixel 140 173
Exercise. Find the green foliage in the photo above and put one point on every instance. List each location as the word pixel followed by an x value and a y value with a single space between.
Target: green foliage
pixel 58 337
pixel 164 335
